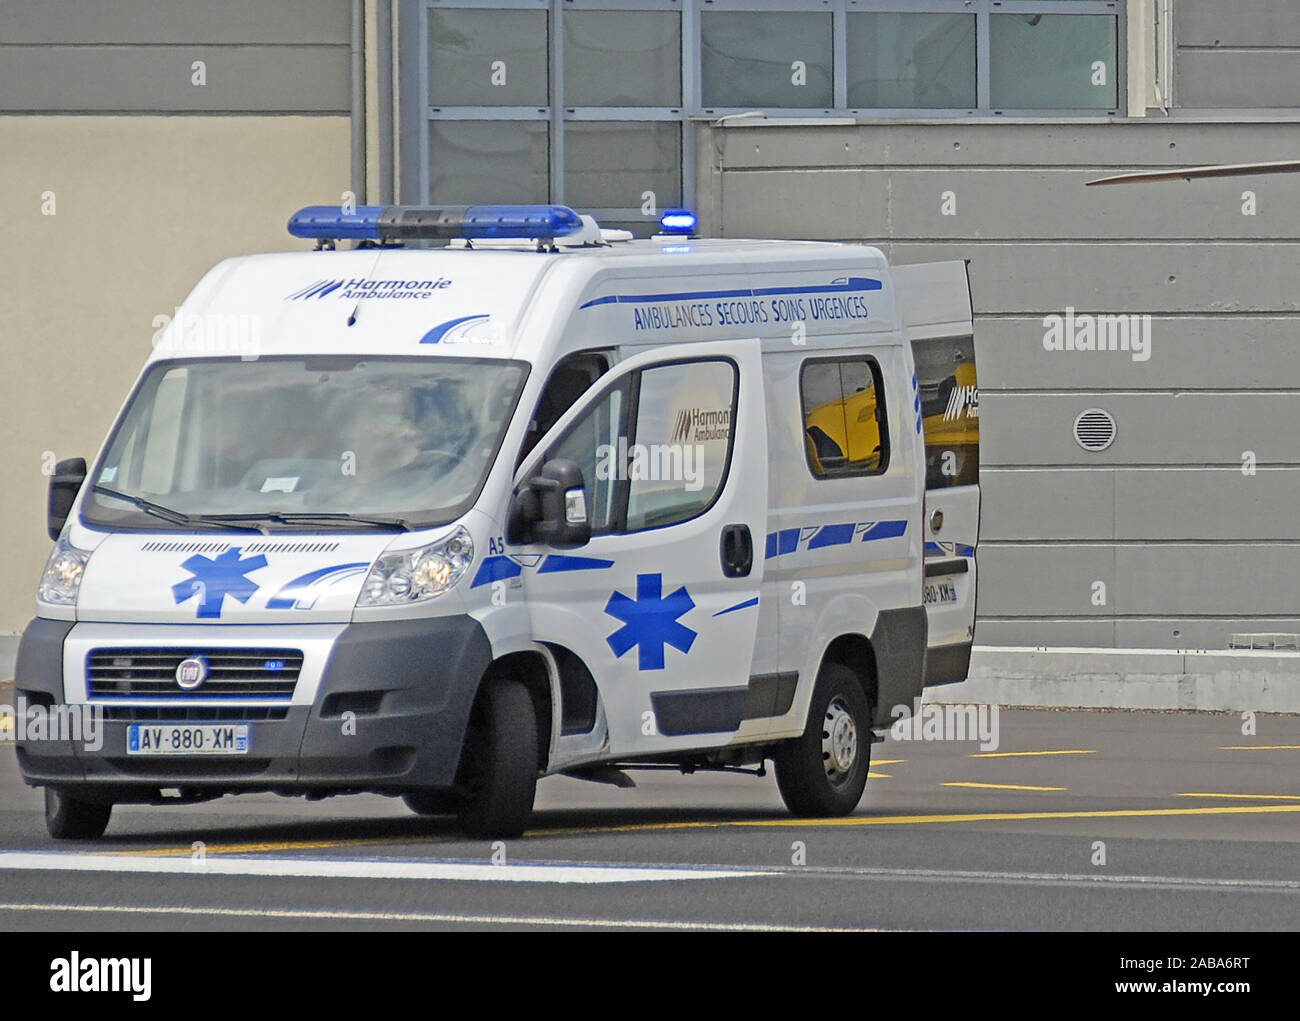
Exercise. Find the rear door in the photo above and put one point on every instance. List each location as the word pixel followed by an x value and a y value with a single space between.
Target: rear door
pixel 936 307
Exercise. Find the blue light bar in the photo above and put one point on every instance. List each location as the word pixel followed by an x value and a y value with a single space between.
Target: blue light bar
pixel 335 222
pixel 395 223
pixel 678 221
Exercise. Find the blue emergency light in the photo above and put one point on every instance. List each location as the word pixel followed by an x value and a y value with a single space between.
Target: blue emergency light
pixel 397 223
pixel 678 221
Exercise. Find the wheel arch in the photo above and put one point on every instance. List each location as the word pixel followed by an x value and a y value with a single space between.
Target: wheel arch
pixel 535 670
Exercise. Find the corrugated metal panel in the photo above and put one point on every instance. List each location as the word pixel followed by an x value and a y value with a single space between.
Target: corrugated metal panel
pixel 1238 79
pixel 1153 428
pixel 159 79
pixel 959 143
pixel 1241 23
pixel 1188 352
pixel 136 56
pixel 140 22
pixel 999 203
pixel 1066 504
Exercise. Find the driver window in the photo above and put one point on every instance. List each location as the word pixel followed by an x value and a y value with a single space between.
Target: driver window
pixel 592 443
pixel 571 379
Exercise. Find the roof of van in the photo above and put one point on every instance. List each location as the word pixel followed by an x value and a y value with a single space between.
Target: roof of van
pixel 496 302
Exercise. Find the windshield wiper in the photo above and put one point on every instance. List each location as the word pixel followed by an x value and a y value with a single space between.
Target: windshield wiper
pixel 159 511
pixel 307 517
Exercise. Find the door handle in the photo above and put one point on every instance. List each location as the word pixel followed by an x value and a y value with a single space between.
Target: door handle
pixel 737 551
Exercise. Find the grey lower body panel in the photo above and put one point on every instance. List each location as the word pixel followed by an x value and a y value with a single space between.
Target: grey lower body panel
pixel 899 642
pixel 947 664
pixel 722 710
pixel 411 684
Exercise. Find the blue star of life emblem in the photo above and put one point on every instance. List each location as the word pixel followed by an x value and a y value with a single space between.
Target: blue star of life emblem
pixel 650 621
pixel 215 578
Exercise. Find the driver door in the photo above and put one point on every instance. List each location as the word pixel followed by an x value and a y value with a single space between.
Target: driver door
pixel 661 604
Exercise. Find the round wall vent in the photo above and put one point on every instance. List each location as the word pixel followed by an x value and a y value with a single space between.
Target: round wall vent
pixel 1094 429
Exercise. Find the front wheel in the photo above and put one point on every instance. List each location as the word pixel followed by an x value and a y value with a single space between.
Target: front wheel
pixel 499 762
pixel 68 817
pixel 824 772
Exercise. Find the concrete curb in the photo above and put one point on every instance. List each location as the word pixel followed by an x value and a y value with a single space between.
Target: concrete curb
pixel 1232 680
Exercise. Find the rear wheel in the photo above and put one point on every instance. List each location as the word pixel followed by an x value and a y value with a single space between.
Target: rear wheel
pixel 69 817
pixel 824 772
pixel 498 769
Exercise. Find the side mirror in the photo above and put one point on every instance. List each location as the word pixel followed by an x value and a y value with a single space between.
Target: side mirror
pixel 65 484
pixel 552 507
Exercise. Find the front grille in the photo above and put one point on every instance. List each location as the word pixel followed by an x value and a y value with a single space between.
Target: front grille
pixel 251 673
pixel 194 714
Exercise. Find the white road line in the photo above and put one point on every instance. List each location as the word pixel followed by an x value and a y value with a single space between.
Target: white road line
pixel 361 868
pixel 1083 879
pixel 423 916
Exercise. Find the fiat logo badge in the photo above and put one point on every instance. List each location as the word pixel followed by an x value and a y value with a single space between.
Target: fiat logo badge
pixel 191 672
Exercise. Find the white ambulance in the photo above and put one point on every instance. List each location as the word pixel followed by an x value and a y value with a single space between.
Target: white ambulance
pixel 547 500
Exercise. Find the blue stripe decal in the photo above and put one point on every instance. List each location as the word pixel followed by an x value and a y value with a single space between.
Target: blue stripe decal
pixel 559 562
pixel 852 284
pixel 885 530
pixel 495 569
pixel 832 535
pixel 294 590
pixel 738 606
pixel 787 540
pixel 949 549
pixel 778 543
pixel 442 329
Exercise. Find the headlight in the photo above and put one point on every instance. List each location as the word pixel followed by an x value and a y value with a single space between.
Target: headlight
pixel 408 576
pixel 63 573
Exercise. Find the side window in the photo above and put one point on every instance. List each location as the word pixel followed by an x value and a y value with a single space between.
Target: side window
pixel 592 443
pixel 682 442
pixel 950 411
pixel 846 428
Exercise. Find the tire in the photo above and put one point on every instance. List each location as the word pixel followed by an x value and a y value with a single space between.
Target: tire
pixel 68 817
pixel 431 802
pixel 824 772
pixel 498 770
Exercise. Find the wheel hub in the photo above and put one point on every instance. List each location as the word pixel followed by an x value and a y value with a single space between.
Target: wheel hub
pixel 839 740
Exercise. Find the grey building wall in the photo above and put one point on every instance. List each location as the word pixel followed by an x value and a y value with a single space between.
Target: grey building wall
pixel 1189 548
pixel 1239 55
pixel 138 56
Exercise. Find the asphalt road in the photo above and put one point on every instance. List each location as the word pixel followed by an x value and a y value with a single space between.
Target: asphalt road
pixel 1096 820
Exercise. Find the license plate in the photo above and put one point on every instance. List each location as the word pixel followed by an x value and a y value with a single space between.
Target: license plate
pixel 940 592
pixel 187 739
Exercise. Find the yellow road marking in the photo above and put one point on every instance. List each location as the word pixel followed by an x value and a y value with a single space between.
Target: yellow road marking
pixel 284 845
pixel 887 762
pixel 914 820
pixel 897 820
pixel 1001 786
pixel 878 776
pixel 1256 797
pixel 1259 748
pixel 1014 755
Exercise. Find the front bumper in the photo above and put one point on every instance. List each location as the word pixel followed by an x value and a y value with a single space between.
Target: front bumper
pixel 389 715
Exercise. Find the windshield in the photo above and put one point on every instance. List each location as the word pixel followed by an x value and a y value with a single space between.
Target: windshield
pixel 406 440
